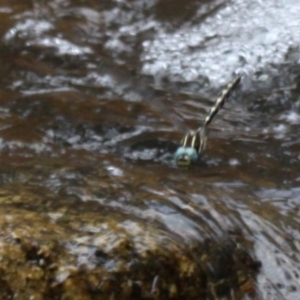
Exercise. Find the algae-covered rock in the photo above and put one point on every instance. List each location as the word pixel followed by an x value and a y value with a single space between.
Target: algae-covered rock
pixel 73 254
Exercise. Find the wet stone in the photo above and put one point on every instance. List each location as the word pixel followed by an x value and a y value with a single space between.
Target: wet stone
pixel 92 256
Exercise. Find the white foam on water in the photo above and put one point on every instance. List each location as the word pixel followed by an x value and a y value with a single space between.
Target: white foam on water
pixel 243 35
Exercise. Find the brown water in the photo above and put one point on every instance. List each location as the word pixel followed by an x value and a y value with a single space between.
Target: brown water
pixel 88 95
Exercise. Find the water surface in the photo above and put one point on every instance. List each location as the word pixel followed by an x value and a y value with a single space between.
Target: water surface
pixel 95 98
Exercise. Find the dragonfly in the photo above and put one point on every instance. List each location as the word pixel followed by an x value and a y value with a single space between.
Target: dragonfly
pixel 194 142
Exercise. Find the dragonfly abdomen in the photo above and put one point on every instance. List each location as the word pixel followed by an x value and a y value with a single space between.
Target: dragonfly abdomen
pixel 194 142
pixel 221 100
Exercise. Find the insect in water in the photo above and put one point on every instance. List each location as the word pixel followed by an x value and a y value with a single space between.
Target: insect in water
pixel 194 142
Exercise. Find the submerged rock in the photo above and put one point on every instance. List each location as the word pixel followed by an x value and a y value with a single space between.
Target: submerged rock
pixel 85 254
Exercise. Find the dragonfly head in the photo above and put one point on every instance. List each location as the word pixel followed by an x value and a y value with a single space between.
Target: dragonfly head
pixel 184 156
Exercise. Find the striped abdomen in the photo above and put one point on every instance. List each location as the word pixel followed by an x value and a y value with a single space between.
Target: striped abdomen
pixel 197 139
pixel 221 100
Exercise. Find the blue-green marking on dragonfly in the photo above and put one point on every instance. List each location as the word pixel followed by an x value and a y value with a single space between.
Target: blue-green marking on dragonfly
pixel 194 142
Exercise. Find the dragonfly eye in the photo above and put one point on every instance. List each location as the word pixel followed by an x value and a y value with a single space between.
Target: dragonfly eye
pixel 185 156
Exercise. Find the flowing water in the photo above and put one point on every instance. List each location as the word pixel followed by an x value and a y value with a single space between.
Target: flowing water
pixel 95 98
